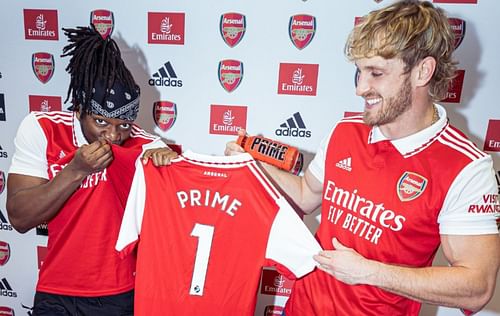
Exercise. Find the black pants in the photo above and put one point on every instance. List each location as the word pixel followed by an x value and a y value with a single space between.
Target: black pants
pixel 58 305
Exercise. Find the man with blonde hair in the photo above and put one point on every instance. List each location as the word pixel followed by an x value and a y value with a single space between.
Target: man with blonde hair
pixel 397 182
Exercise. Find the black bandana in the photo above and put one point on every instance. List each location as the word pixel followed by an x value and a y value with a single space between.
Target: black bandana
pixel 118 102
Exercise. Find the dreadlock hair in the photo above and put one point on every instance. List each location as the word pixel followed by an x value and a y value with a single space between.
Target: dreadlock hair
pixel 94 60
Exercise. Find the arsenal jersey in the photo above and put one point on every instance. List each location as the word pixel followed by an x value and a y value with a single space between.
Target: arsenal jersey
pixel 81 260
pixel 205 227
pixel 390 200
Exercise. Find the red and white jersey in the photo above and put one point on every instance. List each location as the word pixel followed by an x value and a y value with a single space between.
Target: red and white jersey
pixel 391 201
pixel 205 227
pixel 81 259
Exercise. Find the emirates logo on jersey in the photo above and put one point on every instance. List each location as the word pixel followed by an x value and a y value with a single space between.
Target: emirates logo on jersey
pixel 458 27
pixel 410 186
pixel 232 28
pixel 301 29
pixel 103 21
pixel 164 114
pixel 43 66
pixel 4 253
pixel 230 74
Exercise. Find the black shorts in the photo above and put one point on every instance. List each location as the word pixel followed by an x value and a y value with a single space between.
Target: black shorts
pixel 56 305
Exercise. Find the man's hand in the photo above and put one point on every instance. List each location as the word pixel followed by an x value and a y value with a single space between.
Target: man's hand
pixel 161 156
pixel 345 264
pixel 232 148
pixel 92 158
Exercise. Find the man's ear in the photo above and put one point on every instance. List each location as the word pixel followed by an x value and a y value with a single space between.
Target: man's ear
pixel 425 70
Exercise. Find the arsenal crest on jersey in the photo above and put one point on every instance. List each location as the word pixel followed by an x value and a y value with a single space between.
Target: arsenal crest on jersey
pixel 2 181
pixel 103 21
pixel 301 29
pixel 230 74
pixel 458 28
pixel 232 28
pixel 410 186
pixel 4 253
pixel 164 114
pixel 43 66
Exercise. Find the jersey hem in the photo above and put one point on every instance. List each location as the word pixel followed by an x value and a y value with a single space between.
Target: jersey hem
pixel 84 293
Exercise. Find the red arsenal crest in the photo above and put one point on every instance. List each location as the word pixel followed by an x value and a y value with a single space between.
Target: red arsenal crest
pixel 232 28
pixel 458 28
pixel 164 114
pixel 2 181
pixel 301 29
pixel 410 186
pixel 7 311
pixel 103 21
pixel 43 66
pixel 4 253
pixel 230 74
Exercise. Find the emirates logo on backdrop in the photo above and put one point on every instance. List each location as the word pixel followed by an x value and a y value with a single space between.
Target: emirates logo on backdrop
pixel 44 103
pixel 227 119
pixel 458 28
pixel 273 283
pixel 492 139
pixel 43 66
pixel 40 25
pixel 230 74
pixel 301 29
pixel 232 28
pixel 298 79
pixel 166 28
pixel 454 93
pixel 103 21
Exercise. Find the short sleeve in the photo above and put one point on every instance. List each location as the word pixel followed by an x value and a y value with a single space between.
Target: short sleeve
pixel 30 149
pixel 130 228
pixel 471 205
pixel 317 165
pixel 290 243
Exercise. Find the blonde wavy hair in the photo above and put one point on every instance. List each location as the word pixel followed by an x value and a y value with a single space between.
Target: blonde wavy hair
pixel 409 30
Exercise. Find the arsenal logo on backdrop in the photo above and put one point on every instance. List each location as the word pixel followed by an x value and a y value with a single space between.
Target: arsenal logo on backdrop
pixel 43 66
pixel 4 253
pixel 232 28
pixel 301 29
pixel 458 27
pixel 230 74
pixel 410 186
pixel 103 21
pixel 164 114
pixel 2 181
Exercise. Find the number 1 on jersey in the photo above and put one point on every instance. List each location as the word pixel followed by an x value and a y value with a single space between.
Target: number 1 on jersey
pixel 205 235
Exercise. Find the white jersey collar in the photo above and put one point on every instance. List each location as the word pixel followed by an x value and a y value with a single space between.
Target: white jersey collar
pixel 412 143
pixel 78 137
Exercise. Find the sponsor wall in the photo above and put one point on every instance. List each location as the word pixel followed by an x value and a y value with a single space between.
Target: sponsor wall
pixel 209 68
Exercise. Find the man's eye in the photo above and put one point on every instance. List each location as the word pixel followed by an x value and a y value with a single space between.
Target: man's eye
pixel 100 122
pixel 125 126
pixel 376 74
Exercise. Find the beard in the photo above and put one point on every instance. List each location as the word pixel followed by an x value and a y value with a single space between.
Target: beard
pixel 393 107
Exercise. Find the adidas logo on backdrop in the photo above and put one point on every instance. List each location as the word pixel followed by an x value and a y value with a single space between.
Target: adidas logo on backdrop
pixel 293 127
pixel 165 77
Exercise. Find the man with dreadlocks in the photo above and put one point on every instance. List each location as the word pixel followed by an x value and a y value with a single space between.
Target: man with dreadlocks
pixel 73 170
